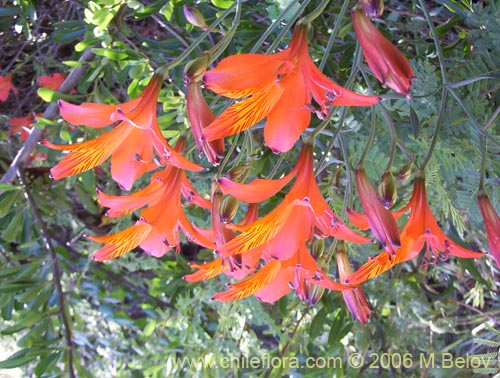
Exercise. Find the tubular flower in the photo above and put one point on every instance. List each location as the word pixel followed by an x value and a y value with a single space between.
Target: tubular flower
pixel 388 64
pixel 354 298
pixel 303 210
pixel 200 116
pixel 277 87
pixel 130 143
pixel 492 223
pixel 421 229
pixel 6 86
pixel 237 266
pixel 157 231
pixel 281 237
pixel 380 220
pixel 277 277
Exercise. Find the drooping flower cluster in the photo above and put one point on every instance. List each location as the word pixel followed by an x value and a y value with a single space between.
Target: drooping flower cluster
pixel 278 252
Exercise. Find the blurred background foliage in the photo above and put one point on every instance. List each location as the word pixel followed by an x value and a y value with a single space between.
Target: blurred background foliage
pixel 63 314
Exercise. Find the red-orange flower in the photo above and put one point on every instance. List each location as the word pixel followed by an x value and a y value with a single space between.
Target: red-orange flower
pixel 277 87
pixel 354 298
pixel 492 223
pixel 130 143
pixel 157 231
pixel 53 81
pixel 200 116
pixel 22 125
pixel 282 236
pixel 380 220
pixel 387 63
pixel 421 229
pixel 303 213
pixel 6 86
pixel 237 266
pixel 277 277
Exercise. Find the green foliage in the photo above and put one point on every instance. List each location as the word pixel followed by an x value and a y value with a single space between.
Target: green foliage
pixel 135 316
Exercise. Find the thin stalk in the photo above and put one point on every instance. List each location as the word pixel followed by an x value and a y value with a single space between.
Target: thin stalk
pixel 439 122
pixel 315 13
pixel 222 44
pixel 276 24
pixel 437 45
pixel 55 269
pixel 331 40
pixel 163 71
pixel 371 138
pixel 348 189
pixel 482 171
pixel 228 155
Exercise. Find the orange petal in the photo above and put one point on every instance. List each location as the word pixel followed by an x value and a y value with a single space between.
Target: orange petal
pixel 133 158
pixel 255 191
pixel 205 271
pixel 87 155
pixel 291 116
pixel 385 60
pixel 252 284
pixel 91 114
pixel 381 221
pixel 121 205
pixel 121 242
pixel 242 75
pixel 492 223
pixel 244 114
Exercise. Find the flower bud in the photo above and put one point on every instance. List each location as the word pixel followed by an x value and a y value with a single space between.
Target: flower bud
pixel 403 173
pixel 228 209
pixel 317 248
pixel 387 190
pixel 373 8
pixel 238 173
pixel 194 17
pixel 196 68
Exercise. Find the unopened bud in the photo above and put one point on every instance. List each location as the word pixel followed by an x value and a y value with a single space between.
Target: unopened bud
pixel 238 173
pixel 403 173
pixel 228 209
pixel 317 248
pixel 387 190
pixel 196 68
pixel 373 8
pixel 194 17
pixel 343 265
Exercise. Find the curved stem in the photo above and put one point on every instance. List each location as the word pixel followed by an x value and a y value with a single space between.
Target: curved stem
pixel 228 155
pixel 370 140
pixel 439 122
pixel 482 171
pixel 348 189
pixel 56 271
pixel 163 71
pixel 337 24
pixel 437 45
pixel 222 44
pixel 315 13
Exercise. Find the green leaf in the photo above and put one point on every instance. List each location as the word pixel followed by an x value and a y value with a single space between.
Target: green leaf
pixel 15 286
pixel 8 12
pixel 6 187
pixel 17 359
pixel 317 324
pixel 14 227
pixel 224 4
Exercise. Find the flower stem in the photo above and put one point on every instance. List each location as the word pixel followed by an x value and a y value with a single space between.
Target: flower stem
pixel 163 71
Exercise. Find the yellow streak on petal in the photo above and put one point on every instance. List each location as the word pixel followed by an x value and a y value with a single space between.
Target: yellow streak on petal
pixel 121 242
pixel 252 284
